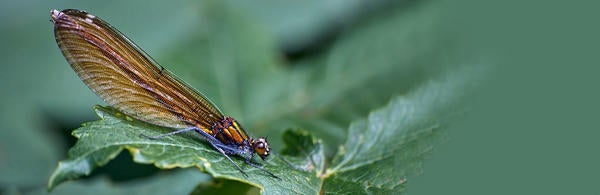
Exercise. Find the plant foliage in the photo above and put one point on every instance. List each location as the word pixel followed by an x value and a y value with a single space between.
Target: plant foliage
pixel 364 113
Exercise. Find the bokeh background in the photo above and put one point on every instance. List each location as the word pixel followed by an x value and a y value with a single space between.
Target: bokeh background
pixel 531 128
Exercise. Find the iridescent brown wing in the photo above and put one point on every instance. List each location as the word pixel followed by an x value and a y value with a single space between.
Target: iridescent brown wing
pixel 126 77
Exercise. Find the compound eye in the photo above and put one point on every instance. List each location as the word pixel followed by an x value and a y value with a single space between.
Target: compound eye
pixel 260 145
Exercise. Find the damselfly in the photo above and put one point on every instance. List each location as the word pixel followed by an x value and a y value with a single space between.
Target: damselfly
pixel 128 79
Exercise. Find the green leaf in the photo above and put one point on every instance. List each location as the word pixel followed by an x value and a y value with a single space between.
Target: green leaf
pixel 380 152
pixel 391 144
pixel 102 140
pixel 303 145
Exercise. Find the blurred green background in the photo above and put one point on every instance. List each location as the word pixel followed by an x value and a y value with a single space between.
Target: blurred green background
pixel 530 128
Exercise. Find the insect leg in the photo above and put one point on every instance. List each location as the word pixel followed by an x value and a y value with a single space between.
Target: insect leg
pixel 248 161
pixel 226 156
pixel 169 134
pixel 215 144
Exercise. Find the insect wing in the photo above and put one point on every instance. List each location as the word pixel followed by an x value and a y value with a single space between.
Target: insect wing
pixel 125 76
